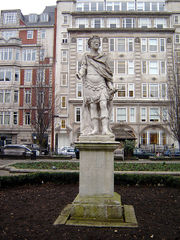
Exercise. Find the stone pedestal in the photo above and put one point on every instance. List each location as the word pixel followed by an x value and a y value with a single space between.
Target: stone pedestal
pixel 96 203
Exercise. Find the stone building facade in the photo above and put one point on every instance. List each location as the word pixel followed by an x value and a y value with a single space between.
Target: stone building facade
pixel 141 38
pixel 26 44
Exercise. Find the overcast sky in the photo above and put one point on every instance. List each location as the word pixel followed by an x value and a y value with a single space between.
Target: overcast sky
pixel 27 7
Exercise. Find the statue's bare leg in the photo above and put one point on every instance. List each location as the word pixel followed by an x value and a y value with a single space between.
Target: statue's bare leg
pixel 105 118
pixel 94 119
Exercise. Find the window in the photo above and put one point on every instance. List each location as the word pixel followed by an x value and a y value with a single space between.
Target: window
pixel 82 23
pixel 121 67
pixel 121 115
pixel 113 23
pixel 44 17
pixel 153 90
pixel 77 114
pixel 163 90
pixel 64 38
pixel 162 67
pixel 162 44
pixel 130 90
pixel 27 118
pixel 64 56
pixel 64 79
pixel 9 34
pixel 121 45
pixel 17 54
pixel 28 96
pixel 100 6
pixel 160 23
pixel 86 7
pixel 121 90
pixel 93 7
pixel 79 90
pixel 128 23
pixel 140 6
pixel 132 115
pixel 109 6
pixel 29 55
pixel 5 96
pixel 6 54
pixel 97 23
pixel 43 34
pixel 17 76
pixel 116 6
pixel 147 6
pixel 29 34
pixel 130 6
pixel 28 75
pixel 130 67
pixel 143 114
pixel 5 75
pixel 144 22
pixel 144 45
pixel 16 96
pixel 10 18
pixel 33 18
pixel 177 38
pixel 15 118
pixel 41 75
pixel 144 90
pixel 65 19
pixel 124 6
pixel 80 45
pixel 63 102
pixel 176 19
pixel 154 6
pixel 6 118
pixel 79 7
pixel 153 67
pixel 112 44
pixel 130 44
pixel 154 114
pixel 153 45
pixel 63 123
pixel 41 54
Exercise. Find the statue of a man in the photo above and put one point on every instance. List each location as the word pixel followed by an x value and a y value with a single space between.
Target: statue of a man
pixel 98 90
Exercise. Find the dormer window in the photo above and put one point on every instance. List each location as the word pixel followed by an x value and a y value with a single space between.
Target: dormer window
pixel 10 18
pixel 33 18
pixel 29 34
pixel 44 17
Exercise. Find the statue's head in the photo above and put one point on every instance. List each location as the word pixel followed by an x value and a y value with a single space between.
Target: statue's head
pixel 92 39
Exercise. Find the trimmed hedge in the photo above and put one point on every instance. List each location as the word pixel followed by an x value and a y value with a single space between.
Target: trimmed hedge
pixel 67 178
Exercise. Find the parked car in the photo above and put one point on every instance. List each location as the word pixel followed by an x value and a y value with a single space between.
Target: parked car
pixel 172 153
pixel 68 151
pixel 140 153
pixel 17 150
pixel 35 148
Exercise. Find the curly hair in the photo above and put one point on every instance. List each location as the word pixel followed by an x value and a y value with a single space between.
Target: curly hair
pixel 92 38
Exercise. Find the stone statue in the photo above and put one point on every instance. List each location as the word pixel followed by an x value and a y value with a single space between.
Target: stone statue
pixel 98 90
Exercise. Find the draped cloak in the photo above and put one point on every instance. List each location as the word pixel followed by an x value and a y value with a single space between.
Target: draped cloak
pixel 96 73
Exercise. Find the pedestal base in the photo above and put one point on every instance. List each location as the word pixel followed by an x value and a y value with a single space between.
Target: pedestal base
pixel 98 211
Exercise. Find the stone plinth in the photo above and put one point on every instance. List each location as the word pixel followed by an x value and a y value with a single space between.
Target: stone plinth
pixel 97 204
pixel 96 165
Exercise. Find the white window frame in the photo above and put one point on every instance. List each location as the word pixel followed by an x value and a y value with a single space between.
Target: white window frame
pixel 121 90
pixel 80 44
pixel 143 44
pixel 153 68
pixel 131 89
pixel 27 118
pixel 77 114
pixel 64 56
pixel 153 44
pixel 152 116
pixel 154 90
pixel 27 96
pixel 143 114
pixel 144 90
pixel 79 89
pixel 112 45
pixel 132 117
pixel 64 78
pixel 130 44
pixel 30 34
pixel 121 44
pixel 121 118
pixel 28 75
pixel 64 102
pixel 130 67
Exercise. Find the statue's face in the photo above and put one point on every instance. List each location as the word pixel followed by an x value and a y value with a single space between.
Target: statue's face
pixel 95 44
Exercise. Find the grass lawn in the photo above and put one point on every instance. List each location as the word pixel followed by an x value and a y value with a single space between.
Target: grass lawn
pixel 117 166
